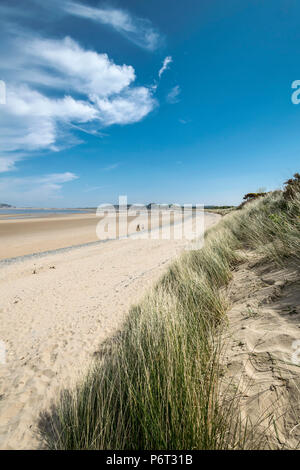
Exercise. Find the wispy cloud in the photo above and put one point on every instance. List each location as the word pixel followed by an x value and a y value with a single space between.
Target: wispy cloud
pixel 28 190
pixel 165 65
pixel 111 167
pixel 93 132
pixel 173 95
pixel 163 68
pixel 93 188
pixel 140 31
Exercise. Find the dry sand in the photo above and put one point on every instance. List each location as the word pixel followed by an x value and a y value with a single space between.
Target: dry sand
pixel 263 360
pixel 56 309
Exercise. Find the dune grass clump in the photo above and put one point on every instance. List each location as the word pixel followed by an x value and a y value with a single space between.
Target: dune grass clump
pixel 270 225
pixel 157 384
pixel 292 187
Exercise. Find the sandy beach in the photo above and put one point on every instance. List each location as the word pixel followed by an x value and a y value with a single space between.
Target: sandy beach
pixel 57 309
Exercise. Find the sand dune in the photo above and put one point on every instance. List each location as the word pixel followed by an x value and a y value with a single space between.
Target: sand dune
pixel 261 352
pixel 56 309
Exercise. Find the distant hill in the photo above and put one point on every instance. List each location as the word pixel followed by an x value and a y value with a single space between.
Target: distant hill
pixel 218 207
pixel 5 206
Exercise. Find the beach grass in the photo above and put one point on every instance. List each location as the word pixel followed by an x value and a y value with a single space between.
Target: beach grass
pixel 158 383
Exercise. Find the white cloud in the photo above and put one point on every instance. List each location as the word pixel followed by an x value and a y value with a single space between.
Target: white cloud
pixel 130 107
pixel 28 190
pixel 173 95
pixel 57 178
pixel 7 164
pixel 165 65
pixel 138 30
pixel 82 70
pixel 32 121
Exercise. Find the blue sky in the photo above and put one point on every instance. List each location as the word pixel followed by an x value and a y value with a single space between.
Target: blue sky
pixel 174 102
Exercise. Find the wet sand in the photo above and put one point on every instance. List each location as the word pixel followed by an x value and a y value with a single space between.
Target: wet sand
pixel 20 237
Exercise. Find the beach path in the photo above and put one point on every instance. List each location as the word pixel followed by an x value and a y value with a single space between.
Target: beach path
pixel 55 311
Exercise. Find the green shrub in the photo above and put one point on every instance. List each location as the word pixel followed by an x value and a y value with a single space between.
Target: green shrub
pixel 292 187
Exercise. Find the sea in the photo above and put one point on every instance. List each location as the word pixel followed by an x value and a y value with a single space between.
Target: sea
pixel 25 213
